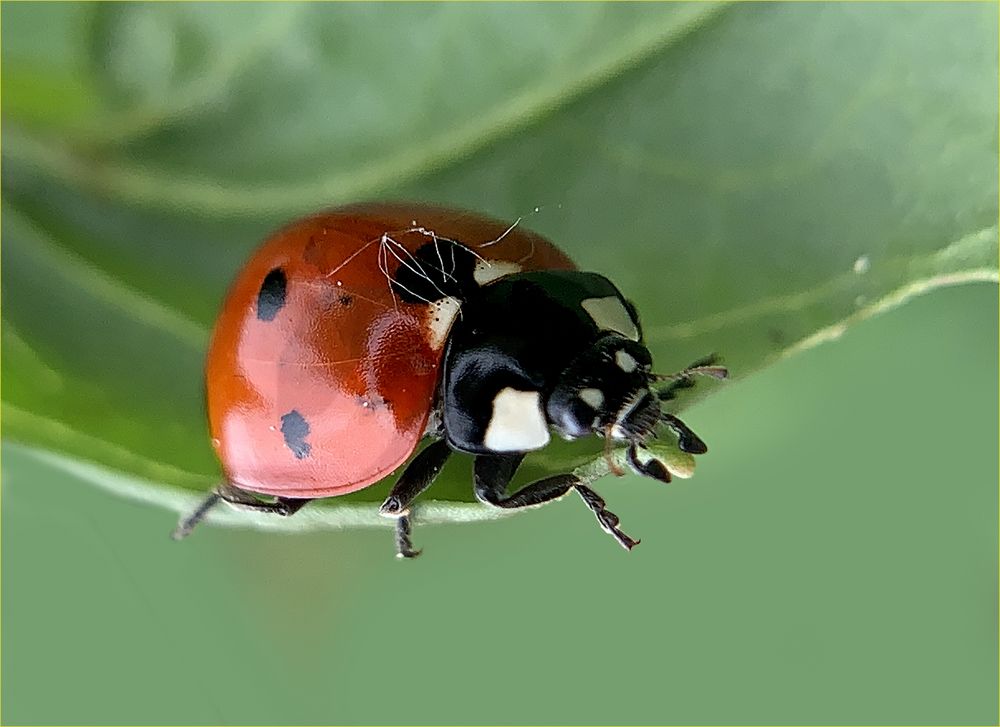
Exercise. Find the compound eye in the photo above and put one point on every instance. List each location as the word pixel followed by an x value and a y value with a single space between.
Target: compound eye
pixel 573 412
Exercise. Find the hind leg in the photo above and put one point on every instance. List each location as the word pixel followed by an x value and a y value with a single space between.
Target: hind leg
pixel 240 499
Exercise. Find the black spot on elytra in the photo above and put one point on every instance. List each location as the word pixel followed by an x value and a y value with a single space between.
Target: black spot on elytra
pixel 271 297
pixel 295 429
pixel 346 301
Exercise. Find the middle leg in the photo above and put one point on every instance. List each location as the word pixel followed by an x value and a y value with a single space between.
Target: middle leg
pixel 416 478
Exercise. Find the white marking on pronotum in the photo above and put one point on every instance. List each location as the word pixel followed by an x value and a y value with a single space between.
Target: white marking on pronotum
pixel 486 272
pixel 440 315
pixel 862 265
pixel 518 423
pixel 610 314
pixel 625 361
pixel 594 398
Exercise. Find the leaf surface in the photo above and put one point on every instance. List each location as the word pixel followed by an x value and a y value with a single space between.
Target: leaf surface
pixel 755 177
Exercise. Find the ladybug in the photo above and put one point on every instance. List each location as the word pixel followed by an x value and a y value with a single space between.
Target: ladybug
pixel 351 336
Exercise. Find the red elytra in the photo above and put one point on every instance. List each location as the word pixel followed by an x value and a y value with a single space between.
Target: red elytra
pixel 324 355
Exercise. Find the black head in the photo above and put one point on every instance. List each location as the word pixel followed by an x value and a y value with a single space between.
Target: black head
pixel 607 391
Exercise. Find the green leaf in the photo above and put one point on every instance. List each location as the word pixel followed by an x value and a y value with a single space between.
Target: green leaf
pixel 757 177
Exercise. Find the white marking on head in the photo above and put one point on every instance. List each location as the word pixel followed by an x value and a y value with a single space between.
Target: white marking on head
pixel 625 361
pixel 594 398
pixel 486 271
pixel 518 423
pixel 610 314
pixel 440 315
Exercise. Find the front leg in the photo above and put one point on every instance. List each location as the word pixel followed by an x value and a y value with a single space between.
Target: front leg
pixel 494 472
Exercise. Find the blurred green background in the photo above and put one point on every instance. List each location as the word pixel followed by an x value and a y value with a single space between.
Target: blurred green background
pixel 758 177
pixel 832 562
